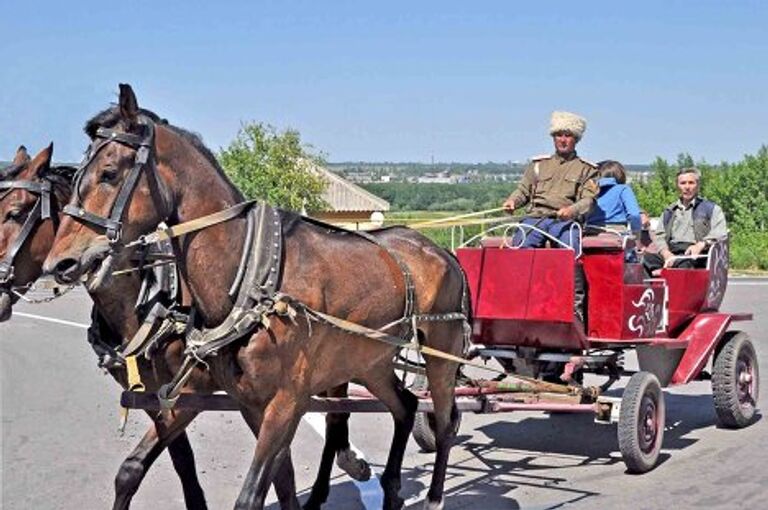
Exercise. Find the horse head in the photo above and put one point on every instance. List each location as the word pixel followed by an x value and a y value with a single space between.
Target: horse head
pixel 118 195
pixel 31 195
pixel 140 171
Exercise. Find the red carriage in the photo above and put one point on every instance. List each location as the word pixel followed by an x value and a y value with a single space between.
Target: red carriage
pixel 523 317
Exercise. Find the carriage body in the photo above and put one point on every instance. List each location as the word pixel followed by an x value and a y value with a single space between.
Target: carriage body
pixel 523 298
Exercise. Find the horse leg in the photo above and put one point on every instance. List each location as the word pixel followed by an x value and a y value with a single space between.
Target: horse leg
pixel 271 463
pixel 402 404
pixel 441 375
pixel 336 444
pixel 166 432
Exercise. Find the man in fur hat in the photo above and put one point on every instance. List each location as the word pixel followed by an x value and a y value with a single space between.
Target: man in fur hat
pixel 559 189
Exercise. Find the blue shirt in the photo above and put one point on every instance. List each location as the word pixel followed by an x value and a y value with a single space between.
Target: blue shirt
pixel 615 204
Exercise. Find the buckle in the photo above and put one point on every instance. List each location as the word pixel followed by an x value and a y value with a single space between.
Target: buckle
pixel 6 273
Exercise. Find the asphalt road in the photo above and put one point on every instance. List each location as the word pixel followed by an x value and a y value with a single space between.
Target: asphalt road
pixel 60 446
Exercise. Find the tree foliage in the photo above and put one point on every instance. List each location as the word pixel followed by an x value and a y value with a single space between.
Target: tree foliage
pixel 274 166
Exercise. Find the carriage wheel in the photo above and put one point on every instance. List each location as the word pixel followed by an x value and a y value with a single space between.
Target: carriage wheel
pixel 641 422
pixel 424 423
pixel 735 381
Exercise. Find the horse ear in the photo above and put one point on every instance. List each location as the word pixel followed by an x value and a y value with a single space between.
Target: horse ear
pixel 42 162
pixel 22 156
pixel 129 106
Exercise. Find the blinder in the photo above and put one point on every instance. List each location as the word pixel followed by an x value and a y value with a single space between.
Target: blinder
pixel 40 212
pixel 112 225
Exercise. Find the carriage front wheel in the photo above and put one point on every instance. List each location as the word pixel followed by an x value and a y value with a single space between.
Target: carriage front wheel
pixel 641 422
pixel 735 381
pixel 424 423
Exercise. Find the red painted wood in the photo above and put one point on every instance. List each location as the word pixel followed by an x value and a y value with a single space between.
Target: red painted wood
pixel 702 335
pixel 504 284
pixel 471 260
pixel 605 274
pixel 687 294
pixel 551 290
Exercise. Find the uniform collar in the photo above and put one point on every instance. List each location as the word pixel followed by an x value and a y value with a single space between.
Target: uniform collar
pixel 560 159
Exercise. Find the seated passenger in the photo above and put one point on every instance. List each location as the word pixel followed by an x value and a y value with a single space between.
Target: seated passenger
pixel 558 189
pixel 688 227
pixel 616 206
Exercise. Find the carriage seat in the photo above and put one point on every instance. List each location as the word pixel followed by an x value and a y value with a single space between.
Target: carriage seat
pixel 604 241
pixel 496 242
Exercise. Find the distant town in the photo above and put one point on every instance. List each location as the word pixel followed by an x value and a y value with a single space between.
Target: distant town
pixel 443 173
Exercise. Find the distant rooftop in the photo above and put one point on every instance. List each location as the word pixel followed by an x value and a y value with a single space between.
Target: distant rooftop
pixel 343 195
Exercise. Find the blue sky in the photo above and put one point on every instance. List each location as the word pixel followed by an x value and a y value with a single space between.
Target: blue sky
pixel 398 81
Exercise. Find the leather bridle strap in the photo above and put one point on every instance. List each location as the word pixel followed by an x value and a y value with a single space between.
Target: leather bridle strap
pixel 112 225
pixel 41 211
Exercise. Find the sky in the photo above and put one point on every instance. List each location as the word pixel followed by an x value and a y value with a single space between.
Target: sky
pixel 398 81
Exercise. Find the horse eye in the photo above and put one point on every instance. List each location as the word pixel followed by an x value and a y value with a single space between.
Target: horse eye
pixel 14 215
pixel 109 174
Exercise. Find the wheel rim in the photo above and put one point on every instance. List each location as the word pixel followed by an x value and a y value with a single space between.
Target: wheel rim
pixel 745 381
pixel 647 426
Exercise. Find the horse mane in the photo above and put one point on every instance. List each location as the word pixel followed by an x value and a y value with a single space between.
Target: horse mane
pixel 11 171
pixel 110 118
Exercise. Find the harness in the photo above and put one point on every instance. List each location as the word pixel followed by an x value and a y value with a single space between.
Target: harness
pixel 258 277
pixel 40 212
pixel 144 145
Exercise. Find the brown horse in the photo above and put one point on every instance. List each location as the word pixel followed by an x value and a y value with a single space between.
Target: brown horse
pixel 149 172
pixel 115 321
pixel 115 318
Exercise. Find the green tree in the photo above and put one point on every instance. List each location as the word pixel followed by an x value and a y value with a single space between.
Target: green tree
pixel 274 166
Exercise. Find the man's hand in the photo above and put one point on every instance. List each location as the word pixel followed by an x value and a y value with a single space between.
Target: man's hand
pixel 696 249
pixel 566 213
pixel 668 257
pixel 509 205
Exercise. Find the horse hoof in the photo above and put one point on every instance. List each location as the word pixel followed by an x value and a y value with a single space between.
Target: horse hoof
pixel 353 465
pixel 433 505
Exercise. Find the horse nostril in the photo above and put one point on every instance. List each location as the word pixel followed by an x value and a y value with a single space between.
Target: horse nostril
pixel 66 271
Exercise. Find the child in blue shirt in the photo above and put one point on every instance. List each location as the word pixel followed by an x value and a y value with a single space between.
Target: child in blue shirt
pixel 615 205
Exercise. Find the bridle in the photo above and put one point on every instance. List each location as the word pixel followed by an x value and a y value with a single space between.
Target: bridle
pixel 40 212
pixel 144 145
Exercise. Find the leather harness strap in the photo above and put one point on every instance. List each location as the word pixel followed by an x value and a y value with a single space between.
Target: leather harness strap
pixel 112 225
pixel 41 211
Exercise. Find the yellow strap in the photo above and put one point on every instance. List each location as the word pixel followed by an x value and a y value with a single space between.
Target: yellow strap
pixel 134 384
pixel 134 379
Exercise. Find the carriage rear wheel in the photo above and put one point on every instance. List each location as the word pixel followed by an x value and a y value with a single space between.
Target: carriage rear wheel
pixel 735 381
pixel 641 422
pixel 424 423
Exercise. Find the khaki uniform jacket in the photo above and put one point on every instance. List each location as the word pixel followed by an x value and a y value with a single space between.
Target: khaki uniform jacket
pixel 552 182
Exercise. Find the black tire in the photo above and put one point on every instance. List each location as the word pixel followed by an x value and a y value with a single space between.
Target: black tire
pixel 641 422
pixel 424 423
pixel 735 381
